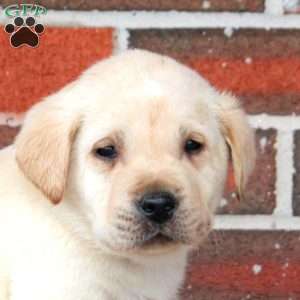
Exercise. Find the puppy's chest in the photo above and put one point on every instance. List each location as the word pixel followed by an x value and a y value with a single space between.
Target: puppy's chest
pixel 140 292
pixel 135 297
pixel 143 285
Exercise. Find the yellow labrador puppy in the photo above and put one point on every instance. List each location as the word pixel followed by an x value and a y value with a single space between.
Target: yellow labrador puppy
pixel 113 179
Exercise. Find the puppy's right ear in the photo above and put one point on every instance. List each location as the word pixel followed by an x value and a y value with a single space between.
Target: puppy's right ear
pixel 44 144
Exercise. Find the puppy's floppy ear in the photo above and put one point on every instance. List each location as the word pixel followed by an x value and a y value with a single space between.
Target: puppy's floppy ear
pixel 44 144
pixel 239 137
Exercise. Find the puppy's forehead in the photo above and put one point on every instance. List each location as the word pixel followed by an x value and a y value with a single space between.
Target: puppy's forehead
pixel 139 86
pixel 138 75
pixel 144 109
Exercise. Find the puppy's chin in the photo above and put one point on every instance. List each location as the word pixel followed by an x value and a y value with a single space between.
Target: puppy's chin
pixel 149 239
pixel 161 243
pixel 156 246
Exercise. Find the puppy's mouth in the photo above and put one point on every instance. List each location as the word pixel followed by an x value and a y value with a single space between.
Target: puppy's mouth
pixel 164 236
pixel 133 233
pixel 145 236
pixel 159 239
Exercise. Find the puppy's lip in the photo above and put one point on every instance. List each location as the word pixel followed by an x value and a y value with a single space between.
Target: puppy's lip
pixel 159 239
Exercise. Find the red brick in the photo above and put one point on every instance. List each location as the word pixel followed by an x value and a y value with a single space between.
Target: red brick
pixel 262 67
pixel 160 5
pixel 223 268
pixel 259 197
pixel 213 43
pixel 7 135
pixel 262 76
pixel 32 73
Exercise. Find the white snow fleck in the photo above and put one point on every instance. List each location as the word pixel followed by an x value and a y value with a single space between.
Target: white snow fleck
pixel 228 31
pixel 256 269
pixel 224 64
pixel 277 246
pixel 206 4
pixel 233 195
pixel 263 142
pixel 223 202
pixel 248 60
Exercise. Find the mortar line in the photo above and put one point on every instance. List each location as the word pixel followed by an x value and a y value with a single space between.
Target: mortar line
pixel 121 40
pixel 256 222
pixel 284 173
pixel 274 7
pixel 165 20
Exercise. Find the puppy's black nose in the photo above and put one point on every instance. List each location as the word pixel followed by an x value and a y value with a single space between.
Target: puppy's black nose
pixel 158 207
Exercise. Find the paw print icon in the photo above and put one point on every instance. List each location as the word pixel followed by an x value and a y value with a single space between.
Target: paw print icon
pixel 24 32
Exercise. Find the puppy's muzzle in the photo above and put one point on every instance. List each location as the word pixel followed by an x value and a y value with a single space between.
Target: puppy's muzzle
pixel 157 207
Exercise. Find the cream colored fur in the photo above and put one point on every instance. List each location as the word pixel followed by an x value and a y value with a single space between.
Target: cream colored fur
pixel 61 208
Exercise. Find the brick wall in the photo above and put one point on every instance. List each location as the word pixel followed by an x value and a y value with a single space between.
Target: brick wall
pixel 250 47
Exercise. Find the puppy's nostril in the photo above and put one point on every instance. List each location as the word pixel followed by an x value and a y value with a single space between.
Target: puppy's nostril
pixel 148 207
pixel 159 207
pixel 169 207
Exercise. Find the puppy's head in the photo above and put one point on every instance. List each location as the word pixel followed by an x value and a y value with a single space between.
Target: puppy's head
pixel 139 145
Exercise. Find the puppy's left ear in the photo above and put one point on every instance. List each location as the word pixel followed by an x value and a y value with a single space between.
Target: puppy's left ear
pixel 239 137
pixel 44 144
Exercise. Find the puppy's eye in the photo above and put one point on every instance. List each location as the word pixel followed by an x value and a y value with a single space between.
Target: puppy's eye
pixel 107 152
pixel 192 146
